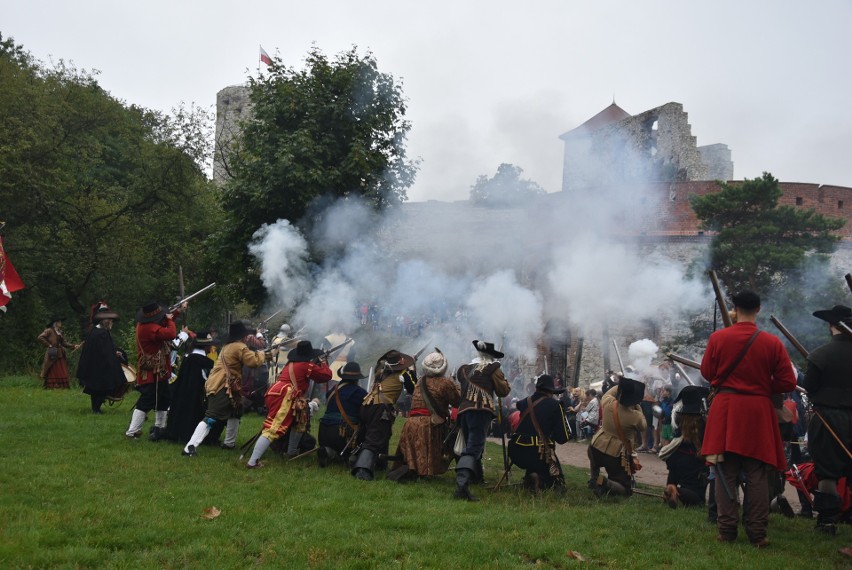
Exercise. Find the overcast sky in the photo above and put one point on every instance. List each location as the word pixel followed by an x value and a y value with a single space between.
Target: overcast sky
pixel 498 81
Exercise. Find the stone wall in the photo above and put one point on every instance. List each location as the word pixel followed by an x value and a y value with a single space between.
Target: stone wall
pixel 717 157
pixel 233 106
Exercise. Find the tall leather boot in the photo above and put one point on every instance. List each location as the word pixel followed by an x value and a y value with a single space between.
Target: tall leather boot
pixel 827 506
pixel 465 471
pixel 365 465
pixel 712 512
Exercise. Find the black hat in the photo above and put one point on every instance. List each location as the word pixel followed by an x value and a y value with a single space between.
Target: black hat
pixel 487 348
pixel 545 384
pixel 304 352
pixel 835 314
pixel 630 391
pixel 395 361
pixel 151 312
pixel 239 330
pixel 53 319
pixel 103 312
pixel 200 339
pixel 350 372
pixel 692 397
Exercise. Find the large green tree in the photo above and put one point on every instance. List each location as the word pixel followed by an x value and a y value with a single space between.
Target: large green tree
pixel 101 199
pixel 332 129
pixel 505 189
pixel 759 245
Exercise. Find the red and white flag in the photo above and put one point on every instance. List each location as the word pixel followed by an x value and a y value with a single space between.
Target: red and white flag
pixel 264 57
pixel 9 279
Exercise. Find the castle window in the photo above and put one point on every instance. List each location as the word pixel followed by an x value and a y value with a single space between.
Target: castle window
pixel 798 200
pixel 654 126
pixel 840 204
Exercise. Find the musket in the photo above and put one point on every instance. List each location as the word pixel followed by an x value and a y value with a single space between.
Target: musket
pixel 370 378
pixel 802 350
pixel 618 354
pixel 691 363
pixel 303 454
pixel 683 372
pixel 325 355
pixel 422 349
pixel 189 298
pixel 269 318
pixel 723 307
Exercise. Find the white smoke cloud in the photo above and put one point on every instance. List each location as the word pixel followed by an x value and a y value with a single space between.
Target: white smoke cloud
pixel 283 254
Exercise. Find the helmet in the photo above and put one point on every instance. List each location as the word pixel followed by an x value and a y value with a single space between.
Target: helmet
pixel 285 328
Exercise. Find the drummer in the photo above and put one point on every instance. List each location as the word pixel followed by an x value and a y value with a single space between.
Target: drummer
pixel 99 371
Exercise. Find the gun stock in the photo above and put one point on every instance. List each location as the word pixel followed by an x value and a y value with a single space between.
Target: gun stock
pixel 720 299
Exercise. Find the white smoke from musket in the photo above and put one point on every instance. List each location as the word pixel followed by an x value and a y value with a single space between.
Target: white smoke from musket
pixel 283 255
pixel 640 354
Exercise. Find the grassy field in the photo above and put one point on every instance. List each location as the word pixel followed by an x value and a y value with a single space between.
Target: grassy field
pixel 76 494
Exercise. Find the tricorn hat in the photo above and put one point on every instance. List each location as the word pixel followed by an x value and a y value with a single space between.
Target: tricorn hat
pixel 350 372
pixel 304 352
pixel 630 391
pixel 395 361
pixel 545 383
pixel 692 397
pixel 103 312
pixel 487 348
pixel 238 330
pixel 150 312
pixel 835 314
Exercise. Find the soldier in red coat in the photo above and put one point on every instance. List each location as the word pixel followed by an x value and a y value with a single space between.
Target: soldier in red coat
pixel 155 329
pixel 745 366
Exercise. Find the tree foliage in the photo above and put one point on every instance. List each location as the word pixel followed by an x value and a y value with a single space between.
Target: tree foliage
pixel 101 199
pixel 333 129
pixel 759 243
pixel 505 189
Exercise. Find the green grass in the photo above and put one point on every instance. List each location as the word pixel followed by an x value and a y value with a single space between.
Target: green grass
pixel 76 494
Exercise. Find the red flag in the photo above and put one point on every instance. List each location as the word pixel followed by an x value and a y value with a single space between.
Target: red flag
pixel 264 57
pixel 9 279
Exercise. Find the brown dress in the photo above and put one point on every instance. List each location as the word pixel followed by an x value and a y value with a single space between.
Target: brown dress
pixel 54 371
pixel 422 439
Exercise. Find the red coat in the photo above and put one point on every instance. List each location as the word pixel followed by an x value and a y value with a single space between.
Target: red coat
pixel 745 422
pixel 151 337
pixel 281 395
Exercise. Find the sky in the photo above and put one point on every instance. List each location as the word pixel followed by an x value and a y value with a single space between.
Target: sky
pixel 489 82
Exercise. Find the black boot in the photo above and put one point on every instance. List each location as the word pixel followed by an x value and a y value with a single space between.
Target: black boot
pixel 465 471
pixel 805 505
pixel 156 433
pixel 325 456
pixel 827 507
pixel 711 502
pixel 365 465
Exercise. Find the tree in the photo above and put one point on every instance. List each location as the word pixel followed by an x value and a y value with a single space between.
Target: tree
pixel 505 189
pixel 759 243
pixel 331 130
pixel 101 199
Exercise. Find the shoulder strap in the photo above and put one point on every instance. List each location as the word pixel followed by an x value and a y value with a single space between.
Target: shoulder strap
pixel 530 406
pixel 427 398
pixel 541 438
pixel 732 367
pixel 341 410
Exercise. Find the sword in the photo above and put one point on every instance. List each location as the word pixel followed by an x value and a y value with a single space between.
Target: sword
pixel 423 348
pixel 303 454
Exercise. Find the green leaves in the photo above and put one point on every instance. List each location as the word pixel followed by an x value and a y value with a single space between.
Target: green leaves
pixel 759 243
pixel 505 189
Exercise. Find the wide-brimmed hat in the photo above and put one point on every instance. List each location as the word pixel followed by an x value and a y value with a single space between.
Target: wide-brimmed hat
pixel 304 352
pixel 435 363
pixel 150 312
pixel 692 398
pixel 350 372
pixel 395 361
pixel 545 383
pixel 200 339
pixel 238 330
pixel 835 314
pixel 487 348
pixel 630 391
pixel 53 319
pixel 103 312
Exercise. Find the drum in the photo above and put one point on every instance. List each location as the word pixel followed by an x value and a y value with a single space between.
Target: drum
pixel 129 374
pixel 123 389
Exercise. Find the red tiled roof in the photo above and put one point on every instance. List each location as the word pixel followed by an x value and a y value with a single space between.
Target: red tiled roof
pixel 611 114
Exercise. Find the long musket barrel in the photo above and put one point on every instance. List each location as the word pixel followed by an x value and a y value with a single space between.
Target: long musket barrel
pixel 802 350
pixel 720 299
pixel 269 318
pixel 190 297
pixel 685 361
pixel 683 372
pixel 618 354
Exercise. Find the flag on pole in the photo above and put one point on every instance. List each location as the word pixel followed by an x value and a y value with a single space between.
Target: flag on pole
pixel 264 57
pixel 9 279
